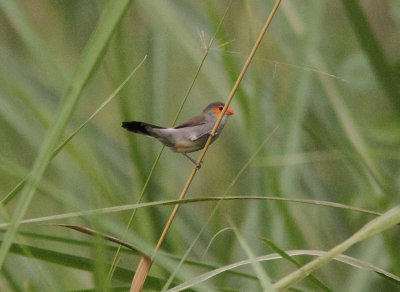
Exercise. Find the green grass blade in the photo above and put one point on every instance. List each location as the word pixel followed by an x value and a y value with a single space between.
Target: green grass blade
pixel 20 185
pixel 263 277
pixel 75 262
pixel 91 58
pixel 114 209
pixel 48 239
pixel 107 101
pixel 375 226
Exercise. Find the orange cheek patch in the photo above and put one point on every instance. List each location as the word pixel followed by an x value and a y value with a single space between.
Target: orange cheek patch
pixel 216 111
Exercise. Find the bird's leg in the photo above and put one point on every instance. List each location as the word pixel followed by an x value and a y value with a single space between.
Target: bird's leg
pixel 198 165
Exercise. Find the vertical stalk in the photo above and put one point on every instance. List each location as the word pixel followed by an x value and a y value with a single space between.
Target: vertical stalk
pixel 145 263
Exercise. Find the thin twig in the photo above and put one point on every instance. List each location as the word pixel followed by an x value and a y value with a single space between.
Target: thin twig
pixel 145 264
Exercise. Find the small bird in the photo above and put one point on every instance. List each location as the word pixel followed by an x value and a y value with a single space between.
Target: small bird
pixel 189 136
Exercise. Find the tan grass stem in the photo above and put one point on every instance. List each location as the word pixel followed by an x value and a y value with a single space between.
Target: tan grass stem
pixel 145 264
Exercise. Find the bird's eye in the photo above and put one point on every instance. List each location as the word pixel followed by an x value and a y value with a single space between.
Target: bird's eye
pixel 221 108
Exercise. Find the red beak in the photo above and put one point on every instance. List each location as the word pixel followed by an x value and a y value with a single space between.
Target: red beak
pixel 229 111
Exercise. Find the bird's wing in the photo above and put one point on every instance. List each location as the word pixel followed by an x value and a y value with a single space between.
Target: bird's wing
pixel 195 121
pixel 196 137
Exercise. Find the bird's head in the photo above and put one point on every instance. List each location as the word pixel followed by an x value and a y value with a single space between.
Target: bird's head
pixel 216 108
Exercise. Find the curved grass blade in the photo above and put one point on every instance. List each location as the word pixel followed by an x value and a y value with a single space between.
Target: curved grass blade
pixel 89 231
pixel 340 258
pixel 284 255
pixel 82 244
pixel 375 226
pixel 76 262
pixel 188 201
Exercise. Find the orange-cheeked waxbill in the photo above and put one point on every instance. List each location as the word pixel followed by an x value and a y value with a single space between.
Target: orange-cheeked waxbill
pixel 189 136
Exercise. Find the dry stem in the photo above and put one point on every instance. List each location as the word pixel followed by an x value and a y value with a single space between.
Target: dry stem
pixel 145 264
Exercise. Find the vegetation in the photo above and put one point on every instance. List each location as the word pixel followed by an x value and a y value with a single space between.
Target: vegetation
pixel 296 184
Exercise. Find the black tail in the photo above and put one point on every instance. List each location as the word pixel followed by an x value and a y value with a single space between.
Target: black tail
pixel 140 127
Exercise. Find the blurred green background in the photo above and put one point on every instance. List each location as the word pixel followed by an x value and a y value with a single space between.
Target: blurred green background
pixel 327 74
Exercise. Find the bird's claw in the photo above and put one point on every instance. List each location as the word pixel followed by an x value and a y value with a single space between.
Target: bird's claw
pixel 213 134
pixel 198 165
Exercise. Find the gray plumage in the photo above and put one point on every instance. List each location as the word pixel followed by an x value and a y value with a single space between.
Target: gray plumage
pixel 189 136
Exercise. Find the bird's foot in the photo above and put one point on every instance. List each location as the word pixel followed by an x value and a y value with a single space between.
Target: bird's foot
pixel 198 165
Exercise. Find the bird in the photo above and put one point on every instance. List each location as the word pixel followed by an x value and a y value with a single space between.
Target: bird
pixel 189 136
